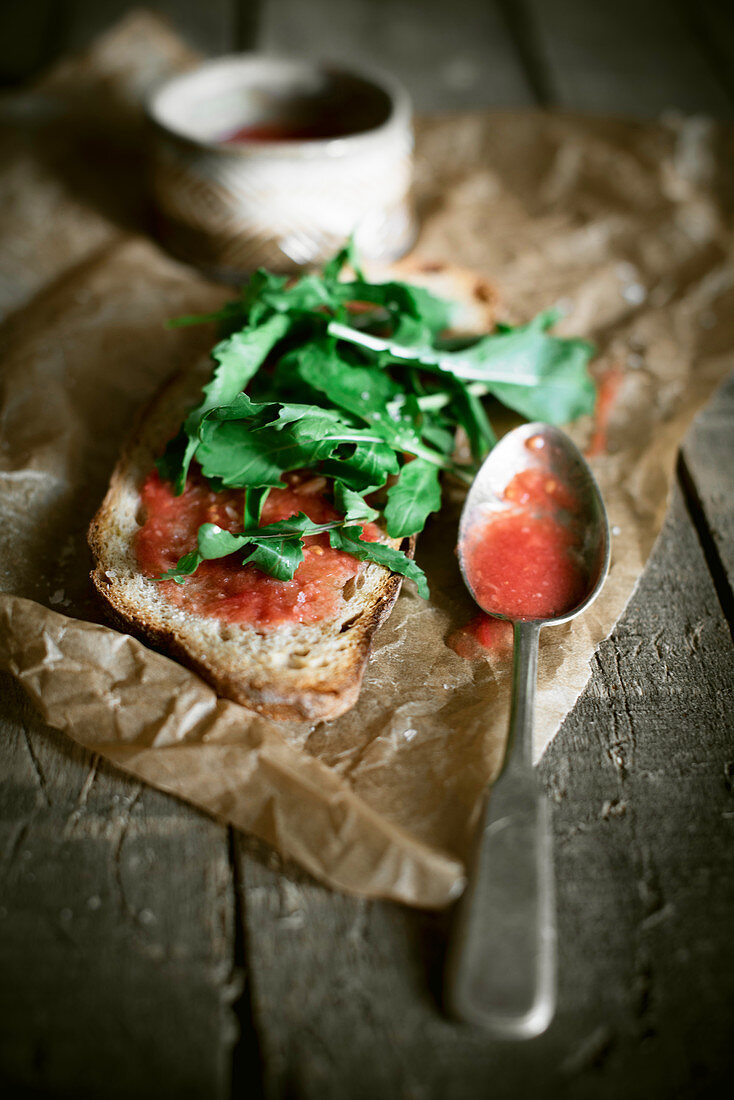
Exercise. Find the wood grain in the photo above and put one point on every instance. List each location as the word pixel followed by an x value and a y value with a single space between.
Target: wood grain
pixel 625 58
pixel 208 27
pixel 345 992
pixel 711 22
pixel 117 944
pixel 448 55
pixel 708 471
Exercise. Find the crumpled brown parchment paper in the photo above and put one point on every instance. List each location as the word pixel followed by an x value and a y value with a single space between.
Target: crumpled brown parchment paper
pixel 628 225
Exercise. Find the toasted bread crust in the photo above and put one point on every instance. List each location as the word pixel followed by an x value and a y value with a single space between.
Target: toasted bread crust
pixel 270 698
pixel 277 673
pixel 292 671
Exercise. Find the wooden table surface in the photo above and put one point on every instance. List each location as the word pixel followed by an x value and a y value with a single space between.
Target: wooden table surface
pixel 239 976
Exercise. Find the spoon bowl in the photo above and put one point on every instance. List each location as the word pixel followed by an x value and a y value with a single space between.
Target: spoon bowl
pixel 547 449
pixel 501 961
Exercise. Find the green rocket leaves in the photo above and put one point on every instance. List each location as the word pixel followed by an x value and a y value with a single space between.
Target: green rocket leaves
pixel 356 382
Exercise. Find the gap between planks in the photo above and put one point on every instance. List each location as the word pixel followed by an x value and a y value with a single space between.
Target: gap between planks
pixel 697 514
pixel 247 1075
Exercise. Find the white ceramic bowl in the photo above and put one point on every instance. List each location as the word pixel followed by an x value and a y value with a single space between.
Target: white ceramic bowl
pixel 294 198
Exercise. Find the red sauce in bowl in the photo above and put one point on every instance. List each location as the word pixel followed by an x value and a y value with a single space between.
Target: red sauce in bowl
pixel 226 589
pixel 320 128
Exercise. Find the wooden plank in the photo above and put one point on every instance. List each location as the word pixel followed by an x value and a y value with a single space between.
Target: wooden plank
pixel 645 822
pixel 210 27
pixel 345 992
pixel 29 31
pixel 708 470
pixel 522 31
pixel 449 56
pixel 117 936
pixel 34 33
pixel 712 22
pixel 625 58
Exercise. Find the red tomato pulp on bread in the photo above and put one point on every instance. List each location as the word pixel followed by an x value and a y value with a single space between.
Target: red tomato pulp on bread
pixel 226 589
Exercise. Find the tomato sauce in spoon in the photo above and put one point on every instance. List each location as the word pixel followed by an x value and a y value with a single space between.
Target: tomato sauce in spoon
pixel 523 560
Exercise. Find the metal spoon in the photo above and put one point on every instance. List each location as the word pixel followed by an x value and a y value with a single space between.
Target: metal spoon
pixel 501 965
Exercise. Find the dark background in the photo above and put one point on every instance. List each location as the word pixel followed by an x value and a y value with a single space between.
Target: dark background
pixel 636 57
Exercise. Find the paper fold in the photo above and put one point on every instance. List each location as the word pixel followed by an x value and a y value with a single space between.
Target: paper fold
pixel 626 225
pixel 159 722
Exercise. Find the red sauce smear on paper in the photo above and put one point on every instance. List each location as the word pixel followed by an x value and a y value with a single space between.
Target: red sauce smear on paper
pixel 524 562
pixel 481 637
pixel 224 588
pixel 606 396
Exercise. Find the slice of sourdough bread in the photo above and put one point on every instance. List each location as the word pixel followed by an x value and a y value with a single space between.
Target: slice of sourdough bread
pixel 290 671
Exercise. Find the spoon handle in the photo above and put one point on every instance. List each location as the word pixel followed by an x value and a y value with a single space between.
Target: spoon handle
pixel 502 959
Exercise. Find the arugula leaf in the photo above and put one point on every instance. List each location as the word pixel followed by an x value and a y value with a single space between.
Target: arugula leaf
pixel 414 311
pixel 304 295
pixel 242 407
pixel 552 367
pixel 237 358
pixel 183 568
pixel 170 465
pixel 345 256
pixel 311 292
pixel 233 454
pixel 468 411
pixel 229 311
pixel 359 390
pixel 280 557
pixel 564 390
pixel 439 436
pixel 275 414
pixel 349 395
pixel 275 548
pixel 237 458
pixel 348 538
pixel 259 292
pixel 353 505
pixel 211 542
pixel 300 524
pixel 412 498
pixel 365 468
pixel 253 505
pixel 367 393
